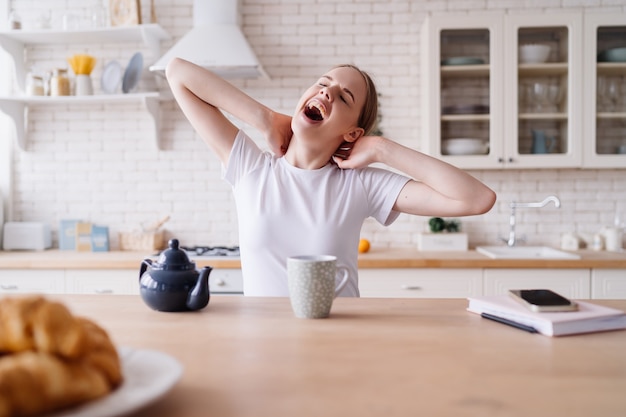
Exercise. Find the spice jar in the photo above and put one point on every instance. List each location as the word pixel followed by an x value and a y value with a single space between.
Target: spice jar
pixel 59 83
pixel 15 22
pixel 34 85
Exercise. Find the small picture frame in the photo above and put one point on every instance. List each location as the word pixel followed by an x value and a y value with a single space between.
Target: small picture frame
pixel 125 12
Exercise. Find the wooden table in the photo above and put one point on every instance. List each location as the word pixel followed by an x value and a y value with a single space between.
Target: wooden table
pixel 246 356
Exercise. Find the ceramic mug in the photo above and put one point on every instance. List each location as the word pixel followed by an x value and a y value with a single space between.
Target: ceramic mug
pixel 312 284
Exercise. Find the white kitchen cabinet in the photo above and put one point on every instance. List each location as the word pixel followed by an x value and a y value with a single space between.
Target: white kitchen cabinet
pixel 462 98
pixel 572 283
pixel 102 281
pixel 37 281
pixel 605 92
pixel 474 87
pixel 15 43
pixel 420 283
pixel 226 281
pixel 608 284
pixel 123 281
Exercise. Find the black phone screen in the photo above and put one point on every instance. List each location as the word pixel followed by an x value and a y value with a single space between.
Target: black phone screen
pixel 543 298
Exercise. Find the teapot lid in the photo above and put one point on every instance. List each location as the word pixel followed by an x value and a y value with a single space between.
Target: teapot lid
pixel 174 258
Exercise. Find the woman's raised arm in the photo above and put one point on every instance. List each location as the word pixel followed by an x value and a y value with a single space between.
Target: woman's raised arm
pixel 438 189
pixel 201 95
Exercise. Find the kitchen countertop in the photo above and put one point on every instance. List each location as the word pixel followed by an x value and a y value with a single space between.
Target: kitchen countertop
pixel 249 356
pixel 375 258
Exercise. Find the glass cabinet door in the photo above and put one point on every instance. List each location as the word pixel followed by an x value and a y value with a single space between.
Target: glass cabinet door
pixel 465 100
pixel 605 88
pixel 543 86
pixel 461 94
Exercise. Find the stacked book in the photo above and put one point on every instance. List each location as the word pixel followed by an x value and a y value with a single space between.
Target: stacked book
pixel 588 318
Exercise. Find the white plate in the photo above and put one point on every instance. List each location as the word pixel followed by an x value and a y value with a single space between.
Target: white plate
pixel 132 73
pixel 464 146
pixel 148 375
pixel 111 77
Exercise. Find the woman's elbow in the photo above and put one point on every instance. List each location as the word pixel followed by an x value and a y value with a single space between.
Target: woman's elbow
pixel 172 68
pixel 485 201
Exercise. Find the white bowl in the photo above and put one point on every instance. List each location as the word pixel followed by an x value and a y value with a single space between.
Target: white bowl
pixel 464 146
pixel 533 53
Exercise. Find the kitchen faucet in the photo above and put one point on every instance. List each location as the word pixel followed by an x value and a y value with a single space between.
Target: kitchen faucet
pixel 512 240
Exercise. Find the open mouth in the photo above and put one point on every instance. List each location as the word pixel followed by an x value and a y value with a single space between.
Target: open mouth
pixel 315 111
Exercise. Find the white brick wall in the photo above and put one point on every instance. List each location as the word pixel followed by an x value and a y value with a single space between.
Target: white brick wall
pixel 99 163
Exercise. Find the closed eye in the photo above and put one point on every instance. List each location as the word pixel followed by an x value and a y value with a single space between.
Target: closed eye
pixel 323 84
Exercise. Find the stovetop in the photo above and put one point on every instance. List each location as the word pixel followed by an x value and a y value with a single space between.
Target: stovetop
pixel 211 251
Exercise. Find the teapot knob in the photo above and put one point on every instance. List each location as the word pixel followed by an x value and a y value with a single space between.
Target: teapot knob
pixel 173 244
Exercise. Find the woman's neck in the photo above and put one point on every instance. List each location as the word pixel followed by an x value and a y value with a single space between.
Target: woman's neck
pixel 304 155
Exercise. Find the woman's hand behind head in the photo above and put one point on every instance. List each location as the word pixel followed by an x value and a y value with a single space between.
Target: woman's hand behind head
pixel 358 154
pixel 279 133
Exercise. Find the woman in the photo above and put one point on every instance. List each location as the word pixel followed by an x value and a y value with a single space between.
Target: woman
pixel 313 196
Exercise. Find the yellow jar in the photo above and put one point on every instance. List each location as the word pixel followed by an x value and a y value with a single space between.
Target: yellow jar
pixel 59 83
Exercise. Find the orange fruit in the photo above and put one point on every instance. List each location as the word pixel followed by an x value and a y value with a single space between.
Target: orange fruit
pixel 364 245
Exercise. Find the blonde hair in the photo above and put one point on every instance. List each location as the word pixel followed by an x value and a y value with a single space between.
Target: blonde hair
pixel 369 112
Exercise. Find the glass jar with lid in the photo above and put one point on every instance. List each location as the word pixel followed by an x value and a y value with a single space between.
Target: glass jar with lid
pixel 34 85
pixel 59 83
pixel 15 22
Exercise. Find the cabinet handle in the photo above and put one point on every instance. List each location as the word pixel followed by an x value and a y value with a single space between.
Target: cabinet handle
pixel 9 287
pixel 103 291
pixel 411 287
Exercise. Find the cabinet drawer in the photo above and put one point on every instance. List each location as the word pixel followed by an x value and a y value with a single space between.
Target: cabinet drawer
pixel 608 283
pixel 420 283
pixel 105 281
pixel 226 281
pixel 572 283
pixel 32 281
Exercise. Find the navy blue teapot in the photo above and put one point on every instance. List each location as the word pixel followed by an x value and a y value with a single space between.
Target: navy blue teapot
pixel 173 283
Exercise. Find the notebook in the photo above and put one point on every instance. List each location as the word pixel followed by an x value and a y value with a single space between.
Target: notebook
pixel 588 318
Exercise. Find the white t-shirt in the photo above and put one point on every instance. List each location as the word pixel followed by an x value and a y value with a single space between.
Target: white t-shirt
pixel 287 211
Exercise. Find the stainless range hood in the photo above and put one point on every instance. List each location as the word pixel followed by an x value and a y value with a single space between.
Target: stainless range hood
pixel 215 42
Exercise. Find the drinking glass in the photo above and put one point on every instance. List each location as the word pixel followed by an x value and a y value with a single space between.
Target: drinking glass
pixel 538 96
pixel 610 93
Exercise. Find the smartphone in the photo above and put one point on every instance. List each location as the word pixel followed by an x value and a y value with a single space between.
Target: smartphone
pixel 544 300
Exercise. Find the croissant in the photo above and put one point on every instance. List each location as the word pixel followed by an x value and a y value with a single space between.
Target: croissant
pixel 50 359
pixel 34 323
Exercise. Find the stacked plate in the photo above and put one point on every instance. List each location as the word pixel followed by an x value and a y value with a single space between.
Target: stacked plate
pixel 112 75
pixel 612 55
pixel 462 60
pixel 464 146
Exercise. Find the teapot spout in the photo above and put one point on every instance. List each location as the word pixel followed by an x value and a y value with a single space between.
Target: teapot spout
pixel 199 296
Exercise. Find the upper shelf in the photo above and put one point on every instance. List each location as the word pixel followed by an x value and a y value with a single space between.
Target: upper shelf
pixel 611 68
pixel 122 34
pixel 450 71
pixel 543 69
pixel 15 41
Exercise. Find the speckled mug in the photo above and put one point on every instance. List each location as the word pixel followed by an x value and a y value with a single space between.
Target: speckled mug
pixel 312 287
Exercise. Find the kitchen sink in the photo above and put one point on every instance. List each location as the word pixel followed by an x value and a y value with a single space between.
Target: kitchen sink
pixel 524 252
